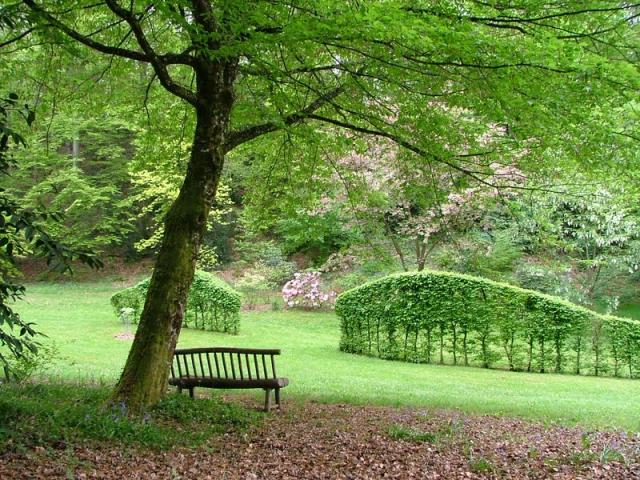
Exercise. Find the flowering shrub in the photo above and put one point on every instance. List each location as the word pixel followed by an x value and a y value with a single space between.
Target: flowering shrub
pixel 303 291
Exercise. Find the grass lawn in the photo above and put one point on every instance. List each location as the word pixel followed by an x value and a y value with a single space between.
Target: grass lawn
pixel 79 319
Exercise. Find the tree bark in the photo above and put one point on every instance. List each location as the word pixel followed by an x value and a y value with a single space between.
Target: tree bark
pixel 145 376
pixel 398 250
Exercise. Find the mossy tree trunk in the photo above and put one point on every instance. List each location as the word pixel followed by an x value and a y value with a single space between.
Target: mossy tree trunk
pixel 145 375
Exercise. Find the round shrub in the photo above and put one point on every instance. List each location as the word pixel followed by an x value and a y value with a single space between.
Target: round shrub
pixel 444 317
pixel 211 305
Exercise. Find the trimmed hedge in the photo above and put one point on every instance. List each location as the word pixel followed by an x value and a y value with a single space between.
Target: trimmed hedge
pixel 443 317
pixel 212 304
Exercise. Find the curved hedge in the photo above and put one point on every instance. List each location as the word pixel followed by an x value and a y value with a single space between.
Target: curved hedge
pixel 212 304
pixel 446 317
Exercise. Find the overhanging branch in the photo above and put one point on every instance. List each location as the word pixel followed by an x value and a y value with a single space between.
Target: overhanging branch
pixel 159 65
pixel 243 136
pixel 148 55
pixel 397 140
pixel 85 40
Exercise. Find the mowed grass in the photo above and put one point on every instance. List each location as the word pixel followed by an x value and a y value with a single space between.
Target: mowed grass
pixel 79 319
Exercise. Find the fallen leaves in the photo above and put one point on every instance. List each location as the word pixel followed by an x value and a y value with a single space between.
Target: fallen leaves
pixel 316 441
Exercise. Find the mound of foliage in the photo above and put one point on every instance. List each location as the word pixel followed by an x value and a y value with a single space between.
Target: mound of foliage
pixel 212 304
pixel 55 414
pixel 452 318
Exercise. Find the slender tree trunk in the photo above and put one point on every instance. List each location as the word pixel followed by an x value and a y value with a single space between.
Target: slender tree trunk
pixel 145 375
pixel 420 254
pixel 398 250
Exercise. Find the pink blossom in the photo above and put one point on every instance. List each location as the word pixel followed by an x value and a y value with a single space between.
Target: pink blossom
pixel 304 291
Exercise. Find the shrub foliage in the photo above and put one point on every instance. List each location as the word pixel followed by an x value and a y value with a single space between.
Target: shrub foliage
pixel 212 304
pixel 443 317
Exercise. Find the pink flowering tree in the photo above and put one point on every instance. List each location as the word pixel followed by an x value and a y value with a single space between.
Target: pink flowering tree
pixel 304 291
pixel 416 205
pixel 426 217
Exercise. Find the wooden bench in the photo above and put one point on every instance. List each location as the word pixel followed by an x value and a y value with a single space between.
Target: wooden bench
pixel 221 367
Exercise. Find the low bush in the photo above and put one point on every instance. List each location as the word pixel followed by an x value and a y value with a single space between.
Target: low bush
pixel 30 364
pixel 453 318
pixel 212 304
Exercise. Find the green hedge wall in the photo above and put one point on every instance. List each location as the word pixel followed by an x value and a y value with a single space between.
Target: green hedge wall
pixel 212 304
pixel 443 317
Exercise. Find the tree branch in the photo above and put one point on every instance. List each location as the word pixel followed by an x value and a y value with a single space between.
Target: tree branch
pixel 158 63
pixel 397 140
pixel 148 55
pixel 242 136
pixel 16 38
pixel 89 42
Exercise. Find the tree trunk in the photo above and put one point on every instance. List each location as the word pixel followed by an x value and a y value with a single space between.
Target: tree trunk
pixel 144 378
pixel 398 250
pixel 420 254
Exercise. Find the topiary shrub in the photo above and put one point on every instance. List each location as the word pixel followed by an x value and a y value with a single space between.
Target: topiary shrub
pixel 452 318
pixel 211 305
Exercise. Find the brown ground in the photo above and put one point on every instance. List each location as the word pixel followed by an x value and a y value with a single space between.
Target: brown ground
pixel 314 441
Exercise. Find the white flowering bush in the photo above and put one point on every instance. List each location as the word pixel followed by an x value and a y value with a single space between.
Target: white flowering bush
pixel 304 291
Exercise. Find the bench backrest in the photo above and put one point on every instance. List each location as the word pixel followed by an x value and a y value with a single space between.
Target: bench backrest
pixel 223 362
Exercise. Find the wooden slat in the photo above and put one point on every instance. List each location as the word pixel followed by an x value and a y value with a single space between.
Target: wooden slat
pixel 266 351
pixel 201 365
pixel 273 366
pixel 209 364
pixel 240 366
pixel 224 364
pixel 178 364
pixel 264 367
pixel 255 363
pixel 215 359
pixel 193 364
pixel 186 364
pixel 233 369
pixel 246 357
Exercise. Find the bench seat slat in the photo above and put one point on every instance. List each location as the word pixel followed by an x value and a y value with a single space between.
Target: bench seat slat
pixel 213 382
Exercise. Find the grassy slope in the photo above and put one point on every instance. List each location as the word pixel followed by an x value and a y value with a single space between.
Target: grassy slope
pixel 79 319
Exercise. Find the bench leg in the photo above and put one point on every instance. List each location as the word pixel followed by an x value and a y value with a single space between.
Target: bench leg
pixel 267 399
pixel 278 399
pixel 191 392
pixel 179 389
